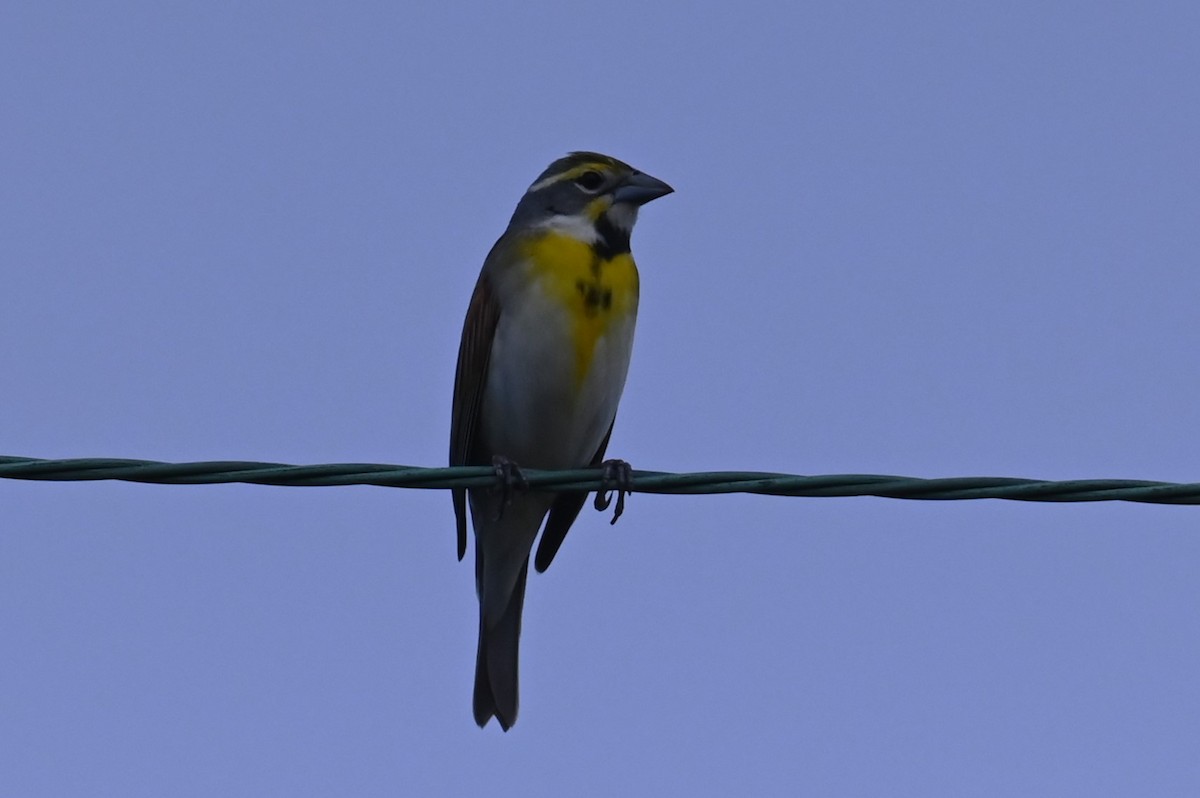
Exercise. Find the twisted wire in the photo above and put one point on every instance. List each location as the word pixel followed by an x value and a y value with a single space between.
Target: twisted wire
pixel 587 479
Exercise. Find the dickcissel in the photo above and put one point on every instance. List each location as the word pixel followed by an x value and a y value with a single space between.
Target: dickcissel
pixel 542 363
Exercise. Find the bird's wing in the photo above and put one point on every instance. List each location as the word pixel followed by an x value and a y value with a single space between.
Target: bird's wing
pixel 479 330
pixel 563 513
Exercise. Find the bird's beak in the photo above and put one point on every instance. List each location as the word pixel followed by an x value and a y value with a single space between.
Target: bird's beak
pixel 638 189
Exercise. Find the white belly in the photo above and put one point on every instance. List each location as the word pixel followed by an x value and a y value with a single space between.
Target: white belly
pixel 537 411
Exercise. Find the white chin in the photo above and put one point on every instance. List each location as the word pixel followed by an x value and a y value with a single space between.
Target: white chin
pixel 623 215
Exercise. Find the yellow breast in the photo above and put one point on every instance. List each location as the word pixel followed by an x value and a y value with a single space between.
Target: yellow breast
pixel 596 291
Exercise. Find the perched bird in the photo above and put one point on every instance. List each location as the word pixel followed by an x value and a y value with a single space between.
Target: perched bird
pixel 542 363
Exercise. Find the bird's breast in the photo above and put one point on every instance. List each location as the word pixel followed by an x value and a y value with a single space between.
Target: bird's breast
pixel 596 292
pixel 560 354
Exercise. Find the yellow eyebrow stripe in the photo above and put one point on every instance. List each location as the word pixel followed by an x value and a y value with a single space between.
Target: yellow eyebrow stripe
pixel 571 174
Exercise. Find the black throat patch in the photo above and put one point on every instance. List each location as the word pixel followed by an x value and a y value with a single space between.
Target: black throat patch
pixel 613 240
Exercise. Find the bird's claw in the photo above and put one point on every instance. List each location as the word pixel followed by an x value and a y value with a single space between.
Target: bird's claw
pixel 509 480
pixel 617 475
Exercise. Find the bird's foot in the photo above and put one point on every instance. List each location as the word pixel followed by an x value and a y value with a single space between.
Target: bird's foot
pixel 617 476
pixel 509 480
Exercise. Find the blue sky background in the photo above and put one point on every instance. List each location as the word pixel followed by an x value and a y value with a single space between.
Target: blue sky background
pixel 934 239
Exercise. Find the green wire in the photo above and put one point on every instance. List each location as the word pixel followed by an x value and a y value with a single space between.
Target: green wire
pixel 587 479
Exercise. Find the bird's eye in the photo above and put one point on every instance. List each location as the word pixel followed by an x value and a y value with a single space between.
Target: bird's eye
pixel 590 181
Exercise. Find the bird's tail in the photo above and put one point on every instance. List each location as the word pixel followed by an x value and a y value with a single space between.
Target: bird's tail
pixel 496 661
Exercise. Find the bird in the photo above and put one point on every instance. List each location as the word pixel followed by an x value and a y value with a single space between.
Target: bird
pixel 545 349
